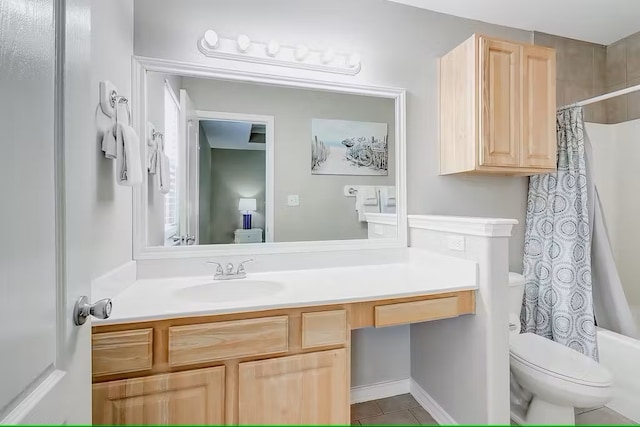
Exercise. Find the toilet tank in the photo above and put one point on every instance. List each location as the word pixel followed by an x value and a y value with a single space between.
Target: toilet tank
pixel 516 292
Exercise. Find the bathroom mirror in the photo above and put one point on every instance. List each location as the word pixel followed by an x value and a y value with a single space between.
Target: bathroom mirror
pixel 233 163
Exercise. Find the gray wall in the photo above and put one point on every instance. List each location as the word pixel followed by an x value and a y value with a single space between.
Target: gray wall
pixel 399 46
pixel 324 212
pixel 234 174
pixel 111 47
pixel 155 115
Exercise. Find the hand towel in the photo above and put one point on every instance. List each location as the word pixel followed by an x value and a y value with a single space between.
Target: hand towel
pixel 369 195
pixel 164 183
pixel 366 201
pixel 388 199
pixel 109 144
pixel 128 165
pixel 156 149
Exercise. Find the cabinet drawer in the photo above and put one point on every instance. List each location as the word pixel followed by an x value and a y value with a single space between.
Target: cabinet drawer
pixel 211 342
pixel 324 328
pixel 119 352
pixel 417 311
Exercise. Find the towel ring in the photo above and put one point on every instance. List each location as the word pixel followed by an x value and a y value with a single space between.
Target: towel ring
pixel 116 99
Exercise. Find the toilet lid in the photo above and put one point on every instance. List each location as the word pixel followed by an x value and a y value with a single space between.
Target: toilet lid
pixel 554 359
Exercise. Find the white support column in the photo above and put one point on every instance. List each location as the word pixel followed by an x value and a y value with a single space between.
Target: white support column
pixel 463 364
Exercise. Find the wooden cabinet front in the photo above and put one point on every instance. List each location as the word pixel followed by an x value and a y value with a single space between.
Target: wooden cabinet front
pixel 310 388
pixel 191 397
pixel 500 103
pixel 497 108
pixel 538 108
pixel 283 366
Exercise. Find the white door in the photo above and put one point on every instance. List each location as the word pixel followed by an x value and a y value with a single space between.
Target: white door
pixel 45 374
pixel 189 141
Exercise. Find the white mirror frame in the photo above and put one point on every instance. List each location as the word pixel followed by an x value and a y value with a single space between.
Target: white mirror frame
pixel 140 67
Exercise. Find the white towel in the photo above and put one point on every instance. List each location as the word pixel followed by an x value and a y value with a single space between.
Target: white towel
pixel 388 199
pixel 369 195
pixel 109 144
pixel 366 201
pixel 156 149
pixel 128 165
pixel 163 173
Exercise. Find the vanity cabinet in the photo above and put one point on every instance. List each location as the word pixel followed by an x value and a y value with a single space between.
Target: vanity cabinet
pixel 304 389
pixel 281 366
pixel 497 108
pixel 191 397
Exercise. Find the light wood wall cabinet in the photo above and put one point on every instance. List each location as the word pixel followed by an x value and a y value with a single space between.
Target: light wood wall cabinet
pixel 289 366
pixel 497 108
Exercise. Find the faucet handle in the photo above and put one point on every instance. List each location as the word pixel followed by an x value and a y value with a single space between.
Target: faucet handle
pixel 240 268
pixel 219 269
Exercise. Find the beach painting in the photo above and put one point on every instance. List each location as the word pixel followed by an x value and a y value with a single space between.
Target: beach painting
pixel 344 147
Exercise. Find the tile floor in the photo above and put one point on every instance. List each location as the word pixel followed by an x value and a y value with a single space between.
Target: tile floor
pixel 403 409
pixel 602 415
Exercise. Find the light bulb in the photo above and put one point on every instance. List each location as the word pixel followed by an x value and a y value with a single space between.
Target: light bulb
pixel 244 43
pixel 211 39
pixel 301 52
pixel 328 56
pixel 273 48
pixel 354 60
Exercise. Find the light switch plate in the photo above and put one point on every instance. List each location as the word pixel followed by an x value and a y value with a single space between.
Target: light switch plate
pixel 293 200
pixel 455 242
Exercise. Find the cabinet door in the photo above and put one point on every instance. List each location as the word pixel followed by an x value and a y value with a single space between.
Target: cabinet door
pixel 309 388
pixel 539 107
pixel 191 397
pixel 499 87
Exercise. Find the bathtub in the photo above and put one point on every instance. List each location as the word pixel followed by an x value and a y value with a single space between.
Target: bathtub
pixel 621 356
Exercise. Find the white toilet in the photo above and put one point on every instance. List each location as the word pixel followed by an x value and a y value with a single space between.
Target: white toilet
pixel 559 378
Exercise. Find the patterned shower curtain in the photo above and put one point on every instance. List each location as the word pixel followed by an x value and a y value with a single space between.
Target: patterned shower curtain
pixel 558 302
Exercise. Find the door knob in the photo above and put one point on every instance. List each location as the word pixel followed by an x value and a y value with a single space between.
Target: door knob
pixel 82 310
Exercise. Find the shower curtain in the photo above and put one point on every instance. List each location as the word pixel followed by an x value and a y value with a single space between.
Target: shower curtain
pixel 558 301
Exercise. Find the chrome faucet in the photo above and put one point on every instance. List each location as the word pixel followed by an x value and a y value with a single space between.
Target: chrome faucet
pixel 227 272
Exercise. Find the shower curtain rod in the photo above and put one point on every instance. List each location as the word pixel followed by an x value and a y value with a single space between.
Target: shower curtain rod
pixel 602 97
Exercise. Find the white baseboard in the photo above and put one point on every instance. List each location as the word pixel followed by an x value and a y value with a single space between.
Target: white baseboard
pixel 430 405
pixel 366 393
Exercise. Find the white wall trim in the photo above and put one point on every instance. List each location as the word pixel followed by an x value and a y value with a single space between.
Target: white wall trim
pixel 429 404
pixel 381 390
pixel 141 251
pixel 269 122
pixel 473 226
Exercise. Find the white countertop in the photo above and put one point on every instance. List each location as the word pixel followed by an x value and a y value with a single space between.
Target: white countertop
pixel 153 299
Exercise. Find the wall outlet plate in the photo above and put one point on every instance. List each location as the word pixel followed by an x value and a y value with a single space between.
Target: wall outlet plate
pixel 455 242
pixel 293 200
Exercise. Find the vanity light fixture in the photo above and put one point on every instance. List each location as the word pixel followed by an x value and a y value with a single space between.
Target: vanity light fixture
pixel 273 48
pixel 354 61
pixel 328 56
pixel 211 39
pixel 301 52
pixel 244 43
pixel 242 48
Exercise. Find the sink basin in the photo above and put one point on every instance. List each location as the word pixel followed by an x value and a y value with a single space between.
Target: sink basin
pixel 230 290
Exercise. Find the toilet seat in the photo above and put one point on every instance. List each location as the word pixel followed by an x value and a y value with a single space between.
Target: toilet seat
pixel 547 357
